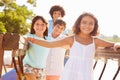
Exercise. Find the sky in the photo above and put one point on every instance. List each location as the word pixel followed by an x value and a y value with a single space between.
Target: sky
pixel 106 11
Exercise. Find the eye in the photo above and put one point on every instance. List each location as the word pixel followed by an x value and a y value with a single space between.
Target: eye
pixel 37 24
pixel 42 24
pixel 91 23
pixel 83 22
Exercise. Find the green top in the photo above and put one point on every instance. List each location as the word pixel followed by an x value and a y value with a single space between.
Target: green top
pixel 36 55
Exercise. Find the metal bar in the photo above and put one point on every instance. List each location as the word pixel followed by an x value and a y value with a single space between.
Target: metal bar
pixel 103 69
pixel 116 73
pixel 95 64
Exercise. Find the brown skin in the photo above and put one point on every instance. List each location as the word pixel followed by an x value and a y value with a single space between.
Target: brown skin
pixel 68 42
pixel 85 27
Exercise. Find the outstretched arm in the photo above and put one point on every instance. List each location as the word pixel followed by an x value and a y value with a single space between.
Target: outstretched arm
pixel 60 43
pixel 104 43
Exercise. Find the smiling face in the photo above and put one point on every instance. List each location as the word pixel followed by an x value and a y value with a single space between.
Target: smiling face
pixel 39 26
pixel 87 25
pixel 58 29
pixel 57 15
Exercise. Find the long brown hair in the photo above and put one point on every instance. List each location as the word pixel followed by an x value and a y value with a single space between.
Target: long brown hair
pixel 32 31
pixel 76 27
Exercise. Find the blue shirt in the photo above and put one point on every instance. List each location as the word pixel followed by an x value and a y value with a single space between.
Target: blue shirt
pixel 36 55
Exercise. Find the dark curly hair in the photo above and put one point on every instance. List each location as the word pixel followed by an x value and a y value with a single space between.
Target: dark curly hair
pixel 57 8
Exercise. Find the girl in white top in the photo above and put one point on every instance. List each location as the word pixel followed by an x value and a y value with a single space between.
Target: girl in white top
pixel 82 48
pixel 56 55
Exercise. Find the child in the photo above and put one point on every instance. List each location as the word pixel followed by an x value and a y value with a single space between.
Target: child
pixel 82 48
pixel 55 60
pixel 36 56
pixel 56 12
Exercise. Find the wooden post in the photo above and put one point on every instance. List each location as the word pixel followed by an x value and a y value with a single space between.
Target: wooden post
pixel 1 60
pixel 1 54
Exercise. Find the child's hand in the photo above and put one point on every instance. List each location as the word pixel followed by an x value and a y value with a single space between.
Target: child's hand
pixel 30 39
pixel 116 46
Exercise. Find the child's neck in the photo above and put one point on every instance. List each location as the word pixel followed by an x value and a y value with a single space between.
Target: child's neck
pixel 84 39
pixel 84 36
pixel 39 35
pixel 54 35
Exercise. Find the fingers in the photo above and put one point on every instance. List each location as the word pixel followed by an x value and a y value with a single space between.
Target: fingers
pixel 30 39
pixel 116 46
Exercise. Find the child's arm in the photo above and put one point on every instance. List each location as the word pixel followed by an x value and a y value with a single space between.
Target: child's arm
pixel 103 43
pixel 65 43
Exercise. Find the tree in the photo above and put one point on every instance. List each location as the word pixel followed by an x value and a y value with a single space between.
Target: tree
pixel 115 38
pixel 13 17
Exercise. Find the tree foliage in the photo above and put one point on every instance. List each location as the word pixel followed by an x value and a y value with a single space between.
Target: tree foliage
pixel 13 18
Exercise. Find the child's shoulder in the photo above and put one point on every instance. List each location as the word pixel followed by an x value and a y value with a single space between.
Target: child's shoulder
pixel 70 38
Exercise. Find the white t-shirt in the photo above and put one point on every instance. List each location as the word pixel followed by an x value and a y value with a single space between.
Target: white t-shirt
pixel 55 59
